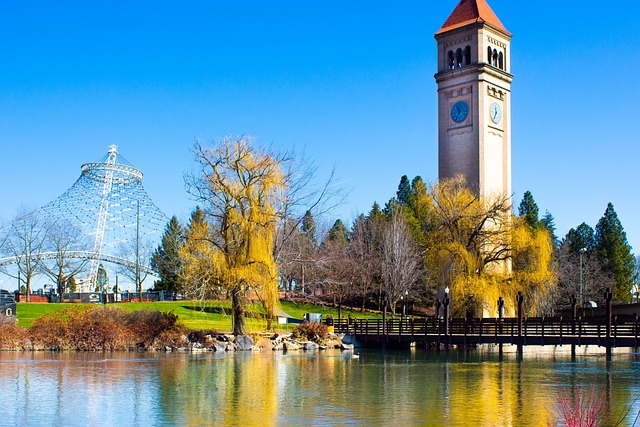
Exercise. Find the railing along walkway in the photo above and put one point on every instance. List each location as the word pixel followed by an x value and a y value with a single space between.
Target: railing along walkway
pixel 624 331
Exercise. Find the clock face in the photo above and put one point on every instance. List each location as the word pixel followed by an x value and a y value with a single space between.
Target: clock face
pixel 459 111
pixel 495 112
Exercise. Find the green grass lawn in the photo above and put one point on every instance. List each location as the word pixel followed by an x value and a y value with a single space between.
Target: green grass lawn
pixel 195 315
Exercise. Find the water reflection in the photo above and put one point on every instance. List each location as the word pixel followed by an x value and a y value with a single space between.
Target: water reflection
pixel 327 388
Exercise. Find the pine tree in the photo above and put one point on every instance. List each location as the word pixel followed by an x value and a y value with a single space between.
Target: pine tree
pixel 548 222
pixel 376 212
pixel 418 187
pixel 338 233
pixel 614 253
pixel 71 284
pixel 581 238
pixel 102 279
pixel 166 258
pixel 529 210
pixel 405 193
pixel 308 226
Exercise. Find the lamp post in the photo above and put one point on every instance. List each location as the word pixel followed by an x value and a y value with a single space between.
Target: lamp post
pixel 445 303
pixel 582 251
pixel 406 305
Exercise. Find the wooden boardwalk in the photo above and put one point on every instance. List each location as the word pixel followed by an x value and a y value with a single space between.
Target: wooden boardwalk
pixel 622 331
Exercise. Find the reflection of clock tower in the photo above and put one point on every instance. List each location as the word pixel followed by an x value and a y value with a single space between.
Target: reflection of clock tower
pixel 474 99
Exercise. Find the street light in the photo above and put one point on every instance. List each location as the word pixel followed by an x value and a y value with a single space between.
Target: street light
pixel 445 303
pixel 582 251
pixel 406 304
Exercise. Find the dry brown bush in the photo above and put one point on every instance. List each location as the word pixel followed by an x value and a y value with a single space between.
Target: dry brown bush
pixel 12 337
pixel 98 329
pixel 313 331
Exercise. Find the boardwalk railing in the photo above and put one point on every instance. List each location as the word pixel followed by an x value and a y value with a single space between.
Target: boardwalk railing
pixel 624 331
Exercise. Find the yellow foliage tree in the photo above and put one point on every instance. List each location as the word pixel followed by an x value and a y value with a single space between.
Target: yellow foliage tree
pixel 532 255
pixel 482 252
pixel 239 185
pixel 469 245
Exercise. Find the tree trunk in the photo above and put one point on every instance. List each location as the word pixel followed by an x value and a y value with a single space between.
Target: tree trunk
pixel 238 304
pixel 60 281
pixel 28 283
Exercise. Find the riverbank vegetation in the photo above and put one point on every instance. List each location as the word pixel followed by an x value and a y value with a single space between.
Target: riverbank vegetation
pixel 196 315
pixel 82 328
pixel 85 327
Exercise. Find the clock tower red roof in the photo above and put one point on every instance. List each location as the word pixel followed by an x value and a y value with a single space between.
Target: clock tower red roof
pixel 472 11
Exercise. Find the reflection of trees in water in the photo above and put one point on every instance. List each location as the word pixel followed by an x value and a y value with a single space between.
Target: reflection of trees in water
pixel 275 389
pixel 232 389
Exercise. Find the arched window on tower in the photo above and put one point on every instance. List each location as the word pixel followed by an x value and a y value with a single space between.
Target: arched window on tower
pixel 467 55
pixel 489 55
pixel 501 61
pixel 450 61
pixel 495 58
pixel 458 58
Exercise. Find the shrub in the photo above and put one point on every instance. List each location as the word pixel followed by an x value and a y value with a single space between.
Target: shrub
pixel 581 409
pixel 312 331
pixel 12 337
pixel 146 325
pixel 77 328
pixel 97 329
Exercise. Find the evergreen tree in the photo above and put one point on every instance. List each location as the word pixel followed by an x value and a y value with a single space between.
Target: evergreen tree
pixel 338 233
pixel 529 210
pixel 418 187
pixel 405 193
pixel 548 222
pixel 581 238
pixel 166 258
pixel 71 284
pixel 308 226
pixel 102 279
pixel 614 253
pixel 376 212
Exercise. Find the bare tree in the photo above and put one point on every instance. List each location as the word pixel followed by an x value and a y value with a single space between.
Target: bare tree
pixel 138 254
pixel 303 193
pixel 365 252
pixel 402 264
pixel 336 271
pixel 25 240
pixel 581 274
pixel 61 240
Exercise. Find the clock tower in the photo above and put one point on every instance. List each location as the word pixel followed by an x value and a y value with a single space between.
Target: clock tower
pixel 474 99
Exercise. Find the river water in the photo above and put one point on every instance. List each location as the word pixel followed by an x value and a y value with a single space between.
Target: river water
pixel 300 389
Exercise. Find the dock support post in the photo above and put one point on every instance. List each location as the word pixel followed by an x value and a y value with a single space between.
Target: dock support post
pixel 520 300
pixel 608 297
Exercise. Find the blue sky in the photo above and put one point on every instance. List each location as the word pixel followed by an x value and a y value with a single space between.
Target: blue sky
pixel 351 83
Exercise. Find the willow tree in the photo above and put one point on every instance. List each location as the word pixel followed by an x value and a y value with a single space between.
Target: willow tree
pixel 239 185
pixel 469 246
pixel 532 259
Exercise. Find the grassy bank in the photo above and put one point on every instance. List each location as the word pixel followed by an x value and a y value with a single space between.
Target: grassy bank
pixel 194 315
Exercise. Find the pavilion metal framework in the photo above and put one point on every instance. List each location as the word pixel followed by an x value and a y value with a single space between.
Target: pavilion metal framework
pixel 110 206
